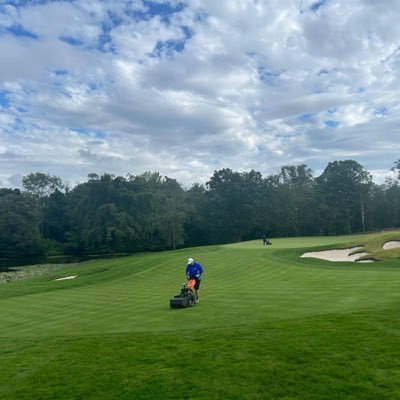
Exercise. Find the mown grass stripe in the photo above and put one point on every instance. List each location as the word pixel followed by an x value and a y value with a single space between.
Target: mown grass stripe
pixel 269 325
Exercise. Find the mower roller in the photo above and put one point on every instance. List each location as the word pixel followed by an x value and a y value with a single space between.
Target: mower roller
pixel 187 296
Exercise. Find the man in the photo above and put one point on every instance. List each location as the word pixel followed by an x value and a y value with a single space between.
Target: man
pixel 264 238
pixel 194 271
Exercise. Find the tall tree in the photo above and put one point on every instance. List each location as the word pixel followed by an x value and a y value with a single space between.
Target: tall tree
pixel 110 231
pixel 343 189
pixel 396 170
pixel 197 224
pixel 172 213
pixel 294 204
pixel 145 204
pixel 41 185
pixel 48 190
pixel 100 221
pixel 20 217
pixel 232 198
pixel 55 222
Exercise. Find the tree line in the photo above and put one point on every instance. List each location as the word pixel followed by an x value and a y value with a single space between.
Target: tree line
pixel 150 212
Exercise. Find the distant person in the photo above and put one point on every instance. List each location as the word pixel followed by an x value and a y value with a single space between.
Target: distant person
pixel 194 271
pixel 264 238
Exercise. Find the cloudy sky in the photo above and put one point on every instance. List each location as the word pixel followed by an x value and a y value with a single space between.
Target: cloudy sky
pixel 188 87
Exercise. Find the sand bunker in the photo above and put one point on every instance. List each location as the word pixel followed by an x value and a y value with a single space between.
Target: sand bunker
pixel 393 244
pixel 338 255
pixel 66 277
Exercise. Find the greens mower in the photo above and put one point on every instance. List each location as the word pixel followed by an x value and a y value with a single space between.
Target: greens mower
pixel 186 298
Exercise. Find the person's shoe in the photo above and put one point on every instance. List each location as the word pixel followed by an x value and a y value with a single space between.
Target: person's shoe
pixel 197 300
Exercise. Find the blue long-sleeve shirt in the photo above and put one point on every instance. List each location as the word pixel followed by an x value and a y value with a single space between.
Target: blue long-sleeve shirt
pixel 195 269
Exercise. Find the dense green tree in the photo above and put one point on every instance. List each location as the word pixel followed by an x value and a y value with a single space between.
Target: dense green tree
pixel 343 188
pixel 41 185
pixel 232 199
pixel 110 214
pixel 55 222
pixel 172 213
pixel 196 225
pixel 145 206
pixel 20 216
pixel 98 220
pixel 390 206
pixel 110 231
pixel 396 170
pixel 379 209
pixel 292 201
pixel 49 190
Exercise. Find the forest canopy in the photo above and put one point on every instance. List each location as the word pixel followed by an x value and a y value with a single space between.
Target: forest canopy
pixel 150 212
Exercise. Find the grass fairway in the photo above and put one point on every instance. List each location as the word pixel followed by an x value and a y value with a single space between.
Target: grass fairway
pixel 269 325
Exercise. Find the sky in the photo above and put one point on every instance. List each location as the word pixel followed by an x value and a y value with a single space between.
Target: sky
pixel 185 88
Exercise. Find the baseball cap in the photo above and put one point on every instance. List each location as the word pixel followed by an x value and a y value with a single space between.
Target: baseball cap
pixel 190 260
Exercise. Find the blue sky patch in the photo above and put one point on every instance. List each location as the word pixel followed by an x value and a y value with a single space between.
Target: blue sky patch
pixel 162 9
pixel 61 72
pixel 81 131
pixel 331 123
pixel 382 111
pixel 105 36
pixel 4 102
pixel 101 134
pixel 23 3
pixel 269 76
pixel 70 40
pixel 305 117
pixel 187 32
pixel 106 27
pixel 114 20
pixel 18 30
pixel 168 47
pixel 93 85
pixel 317 5
pixel 153 8
pixel 18 124
pixel 88 132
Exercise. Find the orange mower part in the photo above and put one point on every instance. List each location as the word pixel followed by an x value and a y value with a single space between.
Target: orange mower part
pixel 191 283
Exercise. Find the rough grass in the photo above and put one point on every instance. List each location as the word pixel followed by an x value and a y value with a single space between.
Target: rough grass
pixel 371 243
pixel 374 245
pixel 270 325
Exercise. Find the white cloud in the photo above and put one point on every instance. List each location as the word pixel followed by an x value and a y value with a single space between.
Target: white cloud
pixel 121 86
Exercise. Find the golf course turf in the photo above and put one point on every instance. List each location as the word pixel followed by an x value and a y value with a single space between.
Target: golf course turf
pixel 269 325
